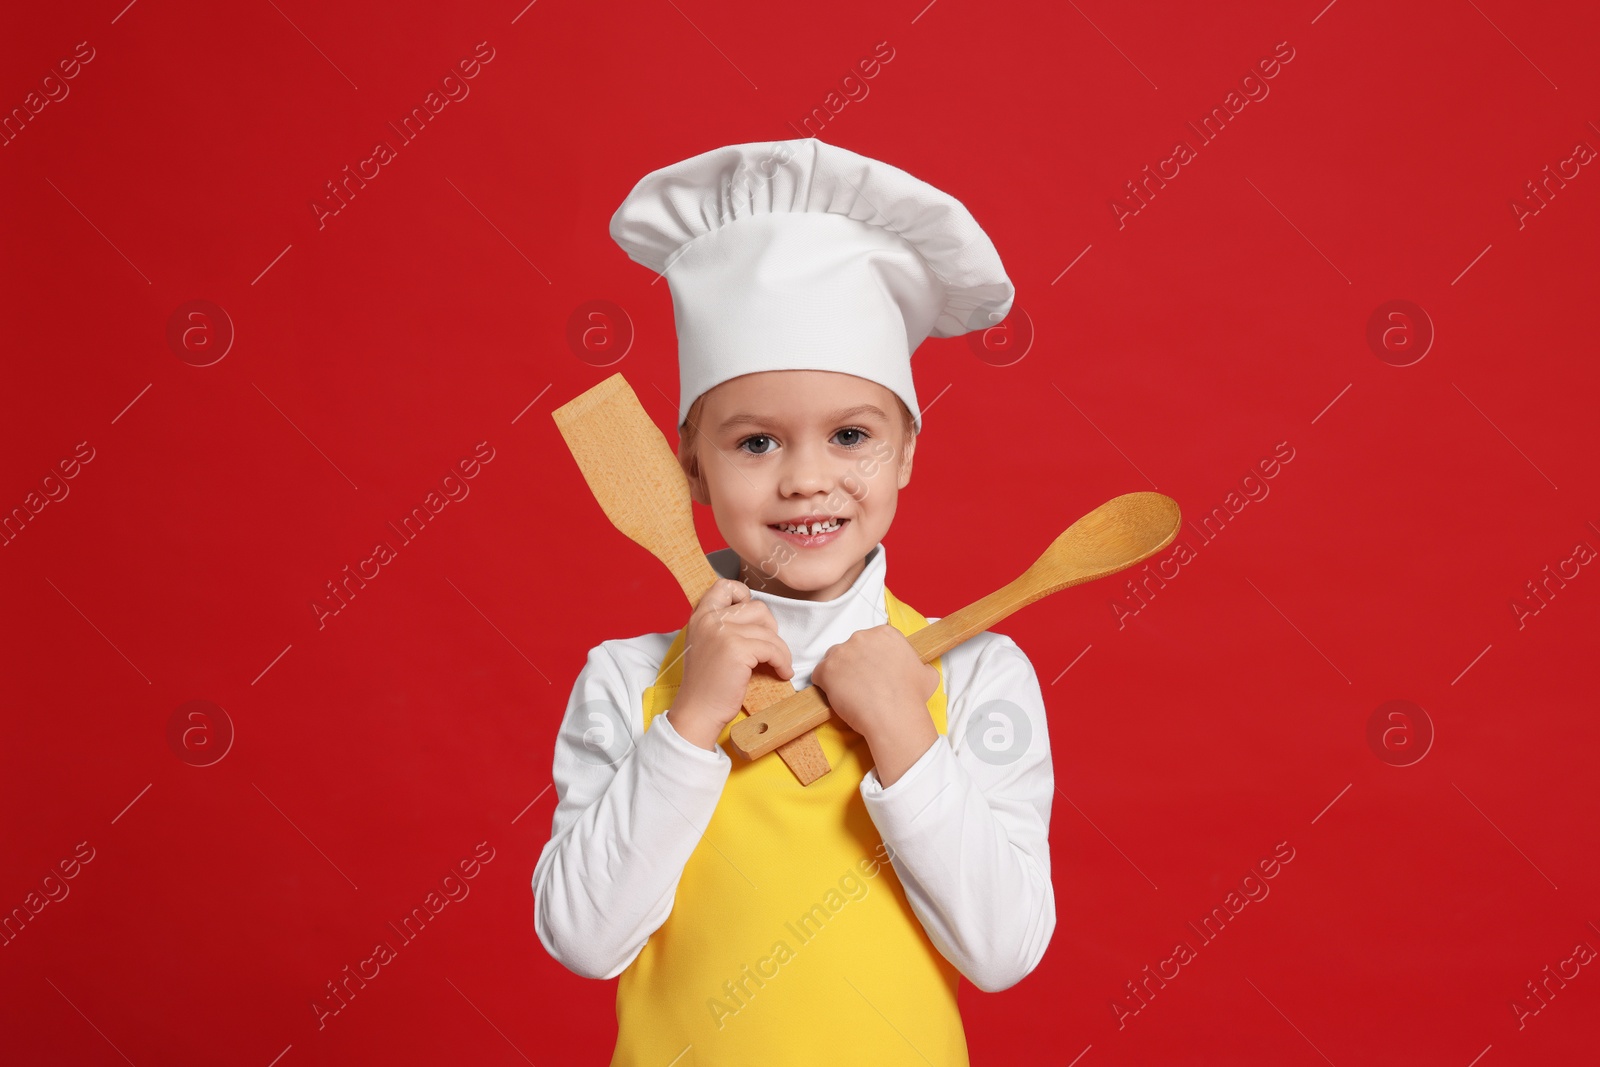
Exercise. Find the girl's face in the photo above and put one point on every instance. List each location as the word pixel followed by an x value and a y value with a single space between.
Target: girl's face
pixel 775 447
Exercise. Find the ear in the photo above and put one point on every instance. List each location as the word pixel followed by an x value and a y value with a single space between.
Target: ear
pixel 907 447
pixel 697 485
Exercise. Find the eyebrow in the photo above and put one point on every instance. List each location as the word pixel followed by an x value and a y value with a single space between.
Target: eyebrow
pixel 746 419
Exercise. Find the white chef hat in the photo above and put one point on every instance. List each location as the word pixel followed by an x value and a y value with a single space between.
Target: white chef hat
pixel 800 255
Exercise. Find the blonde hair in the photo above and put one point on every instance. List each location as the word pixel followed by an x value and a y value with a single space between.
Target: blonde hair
pixel 688 437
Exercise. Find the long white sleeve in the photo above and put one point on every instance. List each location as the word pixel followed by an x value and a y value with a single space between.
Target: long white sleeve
pixel 969 830
pixel 623 830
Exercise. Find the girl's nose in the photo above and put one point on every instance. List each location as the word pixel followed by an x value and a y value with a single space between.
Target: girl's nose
pixel 807 472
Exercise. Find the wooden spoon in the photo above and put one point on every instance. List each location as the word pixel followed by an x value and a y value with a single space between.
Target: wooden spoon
pixel 1123 531
pixel 635 476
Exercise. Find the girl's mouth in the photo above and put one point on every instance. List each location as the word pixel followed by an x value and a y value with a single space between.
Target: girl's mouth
pixel 825 533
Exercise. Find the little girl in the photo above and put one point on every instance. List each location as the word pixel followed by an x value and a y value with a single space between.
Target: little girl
pixel 754 920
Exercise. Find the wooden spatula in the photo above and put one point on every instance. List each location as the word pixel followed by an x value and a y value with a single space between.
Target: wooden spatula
pixel 1123 531
pixel 635 476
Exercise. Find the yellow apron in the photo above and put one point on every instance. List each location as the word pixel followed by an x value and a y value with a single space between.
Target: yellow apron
pixel 790 940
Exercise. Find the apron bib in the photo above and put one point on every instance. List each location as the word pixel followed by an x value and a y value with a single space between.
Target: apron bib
pixel 790 941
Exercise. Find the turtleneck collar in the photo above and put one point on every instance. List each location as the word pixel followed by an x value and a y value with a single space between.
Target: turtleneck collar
pixel 811 627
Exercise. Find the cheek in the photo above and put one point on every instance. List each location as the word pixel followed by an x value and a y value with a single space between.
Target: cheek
pixel 738 494
pixel 879 486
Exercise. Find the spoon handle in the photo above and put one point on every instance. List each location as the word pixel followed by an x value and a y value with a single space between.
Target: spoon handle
pixel 1119 534
pixel 806 710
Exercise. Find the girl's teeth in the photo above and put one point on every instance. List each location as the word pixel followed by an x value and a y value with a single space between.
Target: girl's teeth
pixel 812 530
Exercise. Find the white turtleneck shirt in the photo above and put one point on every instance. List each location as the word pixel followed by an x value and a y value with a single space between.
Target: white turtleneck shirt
pixel 967 824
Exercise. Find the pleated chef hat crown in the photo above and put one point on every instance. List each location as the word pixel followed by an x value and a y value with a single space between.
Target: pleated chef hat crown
pixel 800 255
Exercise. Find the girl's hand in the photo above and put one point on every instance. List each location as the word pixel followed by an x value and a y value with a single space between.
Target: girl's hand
pixel 880 688
pixel 729 633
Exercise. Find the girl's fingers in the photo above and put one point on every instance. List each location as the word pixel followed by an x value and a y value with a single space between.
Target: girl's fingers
pixel 725 593
pixel 777 654
pixel 758 645
pixel 724 596
pixel 747 620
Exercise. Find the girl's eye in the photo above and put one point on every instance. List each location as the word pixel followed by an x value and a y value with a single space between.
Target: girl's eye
pixel 859 438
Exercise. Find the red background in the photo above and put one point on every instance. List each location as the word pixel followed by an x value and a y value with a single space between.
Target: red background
pixel 1230 314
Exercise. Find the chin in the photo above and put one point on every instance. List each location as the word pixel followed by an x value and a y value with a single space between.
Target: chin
pixel 805 578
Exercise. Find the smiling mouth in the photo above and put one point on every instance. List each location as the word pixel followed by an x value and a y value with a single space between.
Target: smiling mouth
pixel 809 529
